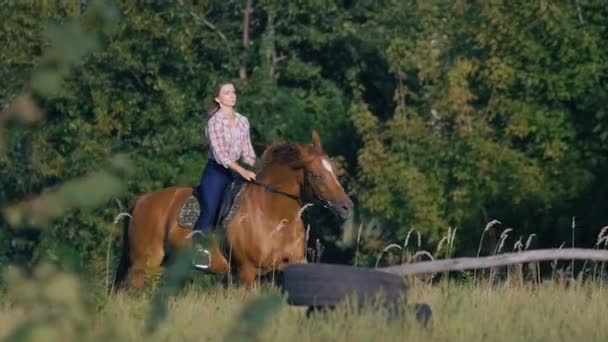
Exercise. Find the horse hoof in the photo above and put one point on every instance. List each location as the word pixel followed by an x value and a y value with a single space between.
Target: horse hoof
pixel 424 314
pixel 327 285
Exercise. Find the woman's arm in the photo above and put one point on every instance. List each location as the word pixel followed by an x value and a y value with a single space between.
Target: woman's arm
pixel 248 153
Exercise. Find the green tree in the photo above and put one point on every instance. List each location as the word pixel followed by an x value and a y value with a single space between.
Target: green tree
pixel 484 125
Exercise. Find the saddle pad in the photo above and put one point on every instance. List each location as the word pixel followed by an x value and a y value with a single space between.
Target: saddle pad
pixel 189 213
pixel 232 197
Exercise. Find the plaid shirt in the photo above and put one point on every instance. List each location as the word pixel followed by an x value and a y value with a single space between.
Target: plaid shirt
pixel 228 144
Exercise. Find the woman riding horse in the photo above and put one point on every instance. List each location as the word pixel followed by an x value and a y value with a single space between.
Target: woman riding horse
pixel 266 232
pixel 229 139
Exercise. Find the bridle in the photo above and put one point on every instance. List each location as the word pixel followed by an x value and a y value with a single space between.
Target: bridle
pixel 301 201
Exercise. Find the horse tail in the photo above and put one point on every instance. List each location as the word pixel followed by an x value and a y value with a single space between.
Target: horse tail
pixel 124 263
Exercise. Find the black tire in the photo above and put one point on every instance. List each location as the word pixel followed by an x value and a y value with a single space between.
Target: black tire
pixel 327 285
pixel 393 311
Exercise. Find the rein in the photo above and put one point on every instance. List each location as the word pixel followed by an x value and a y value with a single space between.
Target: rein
pixel 298 199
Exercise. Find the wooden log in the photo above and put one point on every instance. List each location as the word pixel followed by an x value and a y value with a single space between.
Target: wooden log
pixel 459 264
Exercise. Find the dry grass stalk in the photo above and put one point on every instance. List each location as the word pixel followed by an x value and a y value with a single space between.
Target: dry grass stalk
pixel 386 249
pixel 357 246
pixel 489 226
pixel 602 238
pixel 405 244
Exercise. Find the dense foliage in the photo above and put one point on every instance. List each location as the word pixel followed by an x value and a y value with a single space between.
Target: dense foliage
pixel 444 114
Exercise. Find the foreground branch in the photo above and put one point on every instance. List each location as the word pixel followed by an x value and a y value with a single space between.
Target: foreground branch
pixel 459 264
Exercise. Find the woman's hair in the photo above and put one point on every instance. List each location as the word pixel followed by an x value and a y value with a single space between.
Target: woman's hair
pixel 214 106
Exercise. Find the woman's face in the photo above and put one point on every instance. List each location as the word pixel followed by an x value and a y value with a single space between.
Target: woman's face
pixel 227 96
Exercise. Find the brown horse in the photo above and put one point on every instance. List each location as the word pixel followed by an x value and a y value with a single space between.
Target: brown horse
pixel 265 234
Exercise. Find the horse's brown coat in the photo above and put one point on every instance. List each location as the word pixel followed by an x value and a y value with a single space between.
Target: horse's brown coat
pixel 266 232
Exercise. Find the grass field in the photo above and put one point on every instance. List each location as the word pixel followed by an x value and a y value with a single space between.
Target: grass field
pixel 500 304
pixel 56 308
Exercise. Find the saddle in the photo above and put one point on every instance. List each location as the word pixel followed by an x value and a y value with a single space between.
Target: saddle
pixel 231 201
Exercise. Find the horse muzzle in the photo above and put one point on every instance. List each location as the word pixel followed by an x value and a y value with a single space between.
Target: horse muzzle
pixel 342 208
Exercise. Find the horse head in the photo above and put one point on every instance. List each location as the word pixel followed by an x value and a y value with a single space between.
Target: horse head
pixel 321 178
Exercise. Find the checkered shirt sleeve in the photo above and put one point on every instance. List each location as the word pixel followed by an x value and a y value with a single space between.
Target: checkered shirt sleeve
pixel 216 132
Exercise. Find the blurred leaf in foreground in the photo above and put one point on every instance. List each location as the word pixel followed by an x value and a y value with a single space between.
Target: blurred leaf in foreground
pixel 22 109
pixel 83 193
pixel 54 304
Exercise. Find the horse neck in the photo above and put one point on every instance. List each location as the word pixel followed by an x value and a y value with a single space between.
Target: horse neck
pixel 271 208
pixel 282 177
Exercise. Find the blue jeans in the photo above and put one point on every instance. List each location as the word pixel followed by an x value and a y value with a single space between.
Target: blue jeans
pixel 211 189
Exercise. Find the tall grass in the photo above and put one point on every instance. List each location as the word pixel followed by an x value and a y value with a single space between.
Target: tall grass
pixel 505 304
pixel 462 312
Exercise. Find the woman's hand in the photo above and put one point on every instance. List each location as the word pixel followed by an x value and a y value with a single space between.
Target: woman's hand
pixel 248 175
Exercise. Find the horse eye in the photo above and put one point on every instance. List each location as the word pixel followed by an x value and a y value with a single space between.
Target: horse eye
pixel 315 176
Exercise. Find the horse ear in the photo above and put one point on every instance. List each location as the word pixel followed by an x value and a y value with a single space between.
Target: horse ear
pixel 304 156
pixel 316 141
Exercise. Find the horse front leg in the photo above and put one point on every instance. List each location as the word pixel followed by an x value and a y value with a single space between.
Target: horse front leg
pixel 247 274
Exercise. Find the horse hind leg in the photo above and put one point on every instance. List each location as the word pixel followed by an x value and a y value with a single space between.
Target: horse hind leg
pixel 146 267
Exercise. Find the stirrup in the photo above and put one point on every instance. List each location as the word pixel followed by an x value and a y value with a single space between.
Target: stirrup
pixel 198 244
pixel 201 266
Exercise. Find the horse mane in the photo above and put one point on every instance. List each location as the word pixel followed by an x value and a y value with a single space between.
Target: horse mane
pixel 282 153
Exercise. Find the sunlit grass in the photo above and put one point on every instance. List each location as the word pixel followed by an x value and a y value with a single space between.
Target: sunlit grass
pixel 509 303
pixel 462 312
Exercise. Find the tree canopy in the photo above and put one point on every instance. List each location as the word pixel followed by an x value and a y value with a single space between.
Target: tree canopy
pixel 443 114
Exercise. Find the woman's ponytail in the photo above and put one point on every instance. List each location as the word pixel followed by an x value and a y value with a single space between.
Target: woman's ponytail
pixel 213 105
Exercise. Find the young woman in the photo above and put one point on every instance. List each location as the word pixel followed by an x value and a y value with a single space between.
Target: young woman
pixel 229 141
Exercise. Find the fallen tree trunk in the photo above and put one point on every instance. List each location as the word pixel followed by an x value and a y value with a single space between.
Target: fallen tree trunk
pixel 324 285
pixel 459 264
